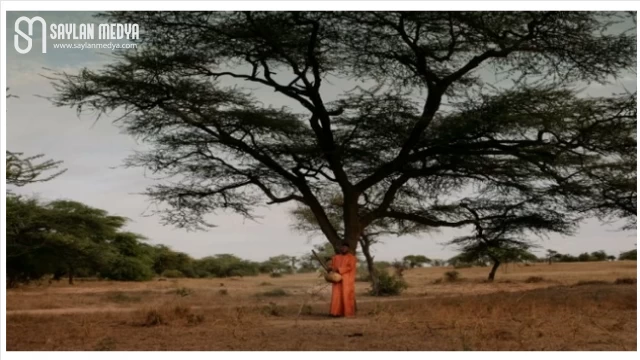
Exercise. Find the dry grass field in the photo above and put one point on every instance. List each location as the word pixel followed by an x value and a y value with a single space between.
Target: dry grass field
pixel 578 306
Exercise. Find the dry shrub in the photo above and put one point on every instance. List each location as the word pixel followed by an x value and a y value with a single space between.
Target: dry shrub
pixel 223 292
pixel 195 319
pixel 534 279
pixel 120 297
pixel 274 293
pixel 389 285
pixel 306 310
pixel 105 344
pixel 626 281
pixel 153 318
pixel 273 309
pixel 164 315
pixel 183 292
pixel 452 276
pixel 181 311
pixel 591 282
pixel 264 283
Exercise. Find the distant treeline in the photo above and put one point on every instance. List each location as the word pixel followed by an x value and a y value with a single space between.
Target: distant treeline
pixel 70 239
pixel 67 239
pixel 553 256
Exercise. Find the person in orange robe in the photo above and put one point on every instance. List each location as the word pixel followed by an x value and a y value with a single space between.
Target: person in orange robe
pixel 343 296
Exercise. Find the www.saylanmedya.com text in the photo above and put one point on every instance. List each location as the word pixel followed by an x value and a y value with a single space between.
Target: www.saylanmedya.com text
pixel 86 45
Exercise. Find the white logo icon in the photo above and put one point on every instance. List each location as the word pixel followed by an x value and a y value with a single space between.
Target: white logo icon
pixel 28 37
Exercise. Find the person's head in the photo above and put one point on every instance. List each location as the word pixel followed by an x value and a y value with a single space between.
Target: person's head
pixel 344 249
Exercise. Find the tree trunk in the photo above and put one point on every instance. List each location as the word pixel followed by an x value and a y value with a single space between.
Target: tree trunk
pixel 365 243
pixel 492 274
pixel 352 226
pixel 70 276
pixel 57 275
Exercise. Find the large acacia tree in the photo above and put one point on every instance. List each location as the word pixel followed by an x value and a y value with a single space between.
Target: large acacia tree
pixel 425 133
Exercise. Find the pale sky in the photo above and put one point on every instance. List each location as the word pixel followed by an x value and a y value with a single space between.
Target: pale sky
pixel 94 151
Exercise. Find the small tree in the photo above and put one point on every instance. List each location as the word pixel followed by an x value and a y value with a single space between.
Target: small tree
pixel 504 238
pixel 599 255
pixel 414 261
pixel 438 263
pixel 280 264
pixel 629 255
pixel 552 256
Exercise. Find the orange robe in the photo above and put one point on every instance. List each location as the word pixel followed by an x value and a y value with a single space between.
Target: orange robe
pixel 343 296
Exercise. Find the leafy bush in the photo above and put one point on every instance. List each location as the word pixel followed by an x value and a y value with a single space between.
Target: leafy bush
pixel 629 255
pixel 363 276
pixel 173 274
pixel 389 285
pixel 452 276
pixel 126 268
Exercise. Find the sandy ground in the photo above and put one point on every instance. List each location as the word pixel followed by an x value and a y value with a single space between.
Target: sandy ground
pixel 539 307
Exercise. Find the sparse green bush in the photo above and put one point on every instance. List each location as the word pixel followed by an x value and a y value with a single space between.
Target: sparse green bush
pixel 363 276
pixel 173 274
pixel 389 285
pixel 452 276
pixel 126 268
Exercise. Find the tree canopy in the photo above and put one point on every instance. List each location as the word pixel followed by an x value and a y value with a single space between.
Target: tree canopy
pixel 421 133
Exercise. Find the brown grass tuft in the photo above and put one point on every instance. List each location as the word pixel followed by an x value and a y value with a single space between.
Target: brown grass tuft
pixel 452 276
pixel 591 282
pixel 626 281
